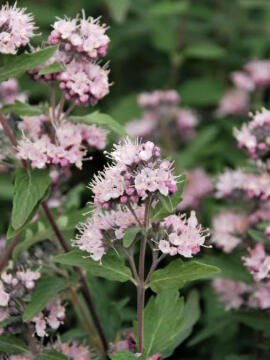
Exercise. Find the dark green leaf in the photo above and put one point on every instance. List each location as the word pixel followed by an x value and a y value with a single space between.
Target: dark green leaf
pixel 130 234
pixel 22 109
pixel 118 9
pixel 16 65
pixel 102 120
pixel 205 51
pixel 10 344
pixel 123 355
pixel 256 235
pixel 177 273
pixel 51 355
pixel 162 321
pixel 112 267
pixel 47 288
pixel 166 8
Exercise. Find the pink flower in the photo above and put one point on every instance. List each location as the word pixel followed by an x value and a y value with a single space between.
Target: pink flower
pixel 84 36
pixel 158 97
pixel 234 102
pixel 141 128
pixel 184 235
pixel 28 278
pixel 228 227
pixel 186 122
pixel 259 72
pixel 258 262
pixel 74 351
pixel 4 296
pixel 17 28
pixel 10 92
pixel 198 186
pixel 242 81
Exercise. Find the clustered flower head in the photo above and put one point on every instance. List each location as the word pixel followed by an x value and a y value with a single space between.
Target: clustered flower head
pixel 182 235
pixel 16 28
pixel 159 108
pixel 105 230
pixel 258 262
pixel 137 172
pixel 82 35
pixel 254 136
pixel 233 183
pixel 234 102
pixel 198 186
pixel 10 92
pixel 228 229
pixel 73 351
pixel 44 142
pixel 51 317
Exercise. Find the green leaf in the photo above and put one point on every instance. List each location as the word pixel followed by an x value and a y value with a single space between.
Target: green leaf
pixel 9 320
pixel 52 68
pixel 47 288
pixel 73 198
pixel 201 92
pixel 102 120
pixel 166 206
pixel 177 273
pixel 191 315
pixel 22 109
pixel 29 190
pixel 41 230
pixel 51 355
pixel 256 235
pixel 118 9
pixel 10 344
pixel 167 8
pixel 254 319
pixel 231 267
pixel 162 321
pixel 130 234
pixel 123 355
pixel 112 267
pixel 16 65
pixel 205 51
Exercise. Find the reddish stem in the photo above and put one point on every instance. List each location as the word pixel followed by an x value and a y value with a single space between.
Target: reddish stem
pixel 6 257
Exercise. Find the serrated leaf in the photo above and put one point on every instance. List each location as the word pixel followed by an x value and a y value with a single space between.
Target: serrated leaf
pixel 112 267
pixel 51 355
pixel 22 109
pixel 162 321
pixel 98 118
pixel 10 344
pixel 177 273
pixel 47 288
pixel 191 315
pixel 16 65
pixel 118 9
pixel 30 188
pixel 52 68
pixel 123 355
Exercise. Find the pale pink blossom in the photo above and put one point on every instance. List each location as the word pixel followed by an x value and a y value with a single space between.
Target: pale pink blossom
pixel 73 351
pixel 28 278
pixel 234 102
pixel 141 128
pixel 158 97
pixel 4 296
pixel 228 230
pixel 259 72
pixel 229 182
pixel 184 235
pixel 17 28
pixel 258 262
pixel 10 92
pixel 242 81
pixel 198 186
pixel 186 122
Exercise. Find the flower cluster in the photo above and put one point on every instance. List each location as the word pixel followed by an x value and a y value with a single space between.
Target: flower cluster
pixel 52 316
pixel 44 142
pixel 254 136
pixel 228 230
pixel 73 351
pixel 182 235
pixel 233 183
pixel 161 110
pixel 234 102
pixel 82 35
pixel 137 173
pixel 10 92
pixel 102 231
pixel 17 28
pixel 258 262
pixel 198 186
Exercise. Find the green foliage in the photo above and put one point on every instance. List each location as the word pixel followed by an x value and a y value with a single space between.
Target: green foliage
pixel 47 288
pixel 178 273
pixel 29 190
pixel 102 120
pixel 162 321
pixel 118 9
pixel 51 355
pixel 123 355
pixel 52 68
pixel 130 234
pixel 14 65
pixel 10 345
pixel 112 266
pixel 22 109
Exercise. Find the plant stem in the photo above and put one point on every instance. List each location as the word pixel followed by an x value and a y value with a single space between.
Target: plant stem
pixel 52 89
pixel 84 288
pixel 141 294
pixel 12 245
pixel 61 106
